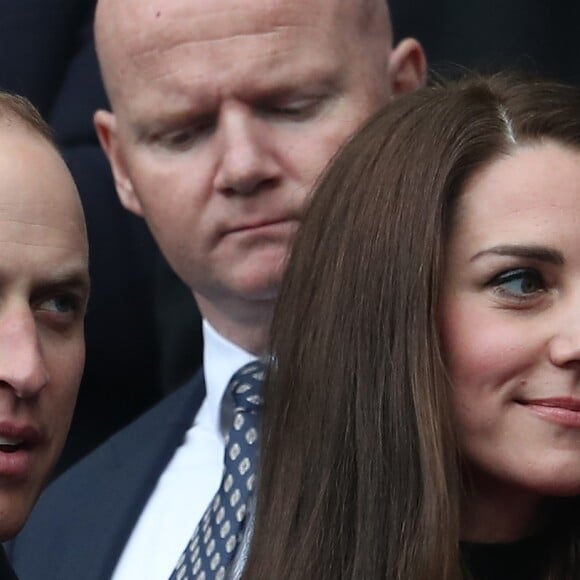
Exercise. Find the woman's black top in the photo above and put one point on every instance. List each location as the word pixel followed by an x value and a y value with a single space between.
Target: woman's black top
pixel 521 560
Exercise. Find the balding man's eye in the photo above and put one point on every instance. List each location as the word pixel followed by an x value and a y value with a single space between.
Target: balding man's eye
pixel 65 304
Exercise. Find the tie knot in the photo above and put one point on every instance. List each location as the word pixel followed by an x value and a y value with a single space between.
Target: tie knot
pixel 246 386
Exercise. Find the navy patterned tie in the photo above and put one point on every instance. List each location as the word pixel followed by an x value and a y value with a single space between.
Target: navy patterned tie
pixel 214 541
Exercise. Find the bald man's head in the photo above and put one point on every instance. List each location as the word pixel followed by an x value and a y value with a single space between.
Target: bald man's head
pixel 123 26
pixel 224 114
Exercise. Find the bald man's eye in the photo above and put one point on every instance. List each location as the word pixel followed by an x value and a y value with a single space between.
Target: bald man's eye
pixel 297 110
pixel 181 138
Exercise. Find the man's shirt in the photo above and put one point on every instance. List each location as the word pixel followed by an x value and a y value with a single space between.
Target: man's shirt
pixel 191 478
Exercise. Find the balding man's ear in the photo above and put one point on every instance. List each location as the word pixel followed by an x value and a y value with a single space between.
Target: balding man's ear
pixel 407 67
pixel 106 127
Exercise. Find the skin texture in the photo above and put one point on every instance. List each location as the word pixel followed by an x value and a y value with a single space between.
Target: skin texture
pixel 224 115
pixel 43 293
pixel 511 329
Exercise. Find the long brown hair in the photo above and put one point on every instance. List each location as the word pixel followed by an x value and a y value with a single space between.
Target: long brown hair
pixel 359 475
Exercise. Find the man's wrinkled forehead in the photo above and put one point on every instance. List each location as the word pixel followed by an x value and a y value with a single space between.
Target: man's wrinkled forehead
pixel 128 27
pixel 183 43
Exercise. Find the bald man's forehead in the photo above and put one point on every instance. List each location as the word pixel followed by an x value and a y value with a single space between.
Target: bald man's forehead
pixel 210 46
pixel 125 26
pixel 155 9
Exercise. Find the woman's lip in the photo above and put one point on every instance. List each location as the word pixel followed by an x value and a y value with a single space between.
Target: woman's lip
pixel 563 411
pixel 569 403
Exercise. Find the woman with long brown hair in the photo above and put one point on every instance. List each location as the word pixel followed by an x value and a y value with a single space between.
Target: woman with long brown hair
pixel 422 417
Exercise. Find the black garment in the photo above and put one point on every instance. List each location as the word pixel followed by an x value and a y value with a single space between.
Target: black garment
pixel 521 560
pixel 6 572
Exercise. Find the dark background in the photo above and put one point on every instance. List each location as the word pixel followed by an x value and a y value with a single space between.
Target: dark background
pixel 540 36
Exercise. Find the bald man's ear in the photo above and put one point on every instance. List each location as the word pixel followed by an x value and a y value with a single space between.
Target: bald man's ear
pixel 106 127
pixel 407 67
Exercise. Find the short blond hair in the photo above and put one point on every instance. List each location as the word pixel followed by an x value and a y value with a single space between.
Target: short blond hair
pixel 17 107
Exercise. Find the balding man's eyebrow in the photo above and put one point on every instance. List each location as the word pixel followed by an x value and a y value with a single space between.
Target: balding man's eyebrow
pixel 540 253
pixel 77 277
pixel 74 278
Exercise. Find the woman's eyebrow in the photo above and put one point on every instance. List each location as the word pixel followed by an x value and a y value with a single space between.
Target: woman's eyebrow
pixel 542 253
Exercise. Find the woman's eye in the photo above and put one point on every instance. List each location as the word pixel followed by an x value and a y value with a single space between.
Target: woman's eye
pixel 520 283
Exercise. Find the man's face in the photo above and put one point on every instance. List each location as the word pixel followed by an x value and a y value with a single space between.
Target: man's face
pixel 225 114
pixel 43 294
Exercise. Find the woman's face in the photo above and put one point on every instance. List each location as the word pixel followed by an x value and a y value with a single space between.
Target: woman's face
pixel 511 323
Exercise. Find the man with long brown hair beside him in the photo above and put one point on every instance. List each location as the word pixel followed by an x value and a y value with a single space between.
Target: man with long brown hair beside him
pixel 224 113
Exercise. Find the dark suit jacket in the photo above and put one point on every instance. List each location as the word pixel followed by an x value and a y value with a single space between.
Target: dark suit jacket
pixel 81 523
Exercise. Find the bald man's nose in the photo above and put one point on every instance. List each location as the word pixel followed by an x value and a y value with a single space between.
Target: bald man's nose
pixel 247 162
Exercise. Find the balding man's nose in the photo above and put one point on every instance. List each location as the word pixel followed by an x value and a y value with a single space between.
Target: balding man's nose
pixel 22 364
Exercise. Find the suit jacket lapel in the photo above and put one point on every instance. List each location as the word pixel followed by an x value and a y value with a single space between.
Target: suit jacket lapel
pixel 92 508
pixel 136 464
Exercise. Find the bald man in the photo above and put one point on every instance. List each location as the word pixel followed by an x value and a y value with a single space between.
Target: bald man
pixel 224 112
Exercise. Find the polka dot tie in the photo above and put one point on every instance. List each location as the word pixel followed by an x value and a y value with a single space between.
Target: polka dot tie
pixel 213 544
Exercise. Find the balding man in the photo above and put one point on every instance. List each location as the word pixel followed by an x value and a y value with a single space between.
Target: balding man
pixel 224 112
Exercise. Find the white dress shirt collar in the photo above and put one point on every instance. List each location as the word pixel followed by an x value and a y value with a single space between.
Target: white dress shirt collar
pixel 221 359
